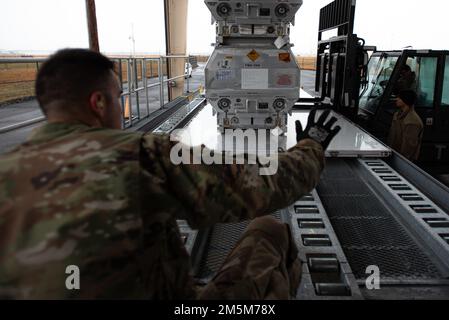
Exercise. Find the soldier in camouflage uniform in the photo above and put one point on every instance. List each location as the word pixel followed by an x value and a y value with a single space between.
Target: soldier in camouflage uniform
pixel 81 192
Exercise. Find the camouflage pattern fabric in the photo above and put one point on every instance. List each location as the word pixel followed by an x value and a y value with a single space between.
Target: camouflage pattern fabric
pixel 107 201
pixel 263 266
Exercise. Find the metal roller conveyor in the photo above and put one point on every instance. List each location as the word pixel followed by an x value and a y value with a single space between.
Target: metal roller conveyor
pixel 363 213
pixel 373 211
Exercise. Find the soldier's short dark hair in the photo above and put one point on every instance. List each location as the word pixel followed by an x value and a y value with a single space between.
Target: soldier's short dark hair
pixel 409 97
pixel 406 68
pixel 71 75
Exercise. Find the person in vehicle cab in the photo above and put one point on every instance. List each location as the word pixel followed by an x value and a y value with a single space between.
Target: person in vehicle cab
pixel 406 81
pixel 407 129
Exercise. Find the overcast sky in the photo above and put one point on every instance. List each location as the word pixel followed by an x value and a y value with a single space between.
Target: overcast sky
pixel 47 25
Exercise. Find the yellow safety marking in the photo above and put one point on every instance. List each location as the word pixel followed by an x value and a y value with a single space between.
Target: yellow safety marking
pixel 127 112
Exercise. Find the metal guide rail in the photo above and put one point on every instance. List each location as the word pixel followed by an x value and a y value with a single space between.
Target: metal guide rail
pixel 382 220
pixel 429 220
pixel 326 272
pixel 179 119
pixel 363 213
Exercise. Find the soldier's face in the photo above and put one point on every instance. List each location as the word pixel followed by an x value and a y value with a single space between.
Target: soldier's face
pixel 113 115
pixel 399 103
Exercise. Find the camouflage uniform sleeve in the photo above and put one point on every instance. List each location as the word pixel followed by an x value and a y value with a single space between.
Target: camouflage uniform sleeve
pixel 211 194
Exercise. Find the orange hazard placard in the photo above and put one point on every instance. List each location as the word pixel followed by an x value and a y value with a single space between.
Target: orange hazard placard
pixel 253 55
pixel 284 57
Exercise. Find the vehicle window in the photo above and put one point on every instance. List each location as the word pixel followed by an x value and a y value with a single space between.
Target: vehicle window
pixel 372 69
pixel 407 76
pixel 426 82
pixel 419 75
pixel 380 70
pixel 445 101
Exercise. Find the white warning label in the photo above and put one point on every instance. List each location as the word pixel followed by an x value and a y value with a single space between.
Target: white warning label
pixel 225 75
pixel 255 79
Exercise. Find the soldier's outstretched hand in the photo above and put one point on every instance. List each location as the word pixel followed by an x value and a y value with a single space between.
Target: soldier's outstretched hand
pixel 320 131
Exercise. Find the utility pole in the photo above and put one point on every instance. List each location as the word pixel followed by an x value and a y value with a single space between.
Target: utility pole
pixel 133 40
pixel 92 28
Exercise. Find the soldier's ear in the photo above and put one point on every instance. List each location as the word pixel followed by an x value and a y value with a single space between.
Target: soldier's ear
pixel 97 102
pixel 97 106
